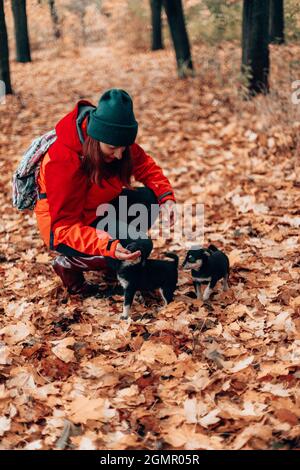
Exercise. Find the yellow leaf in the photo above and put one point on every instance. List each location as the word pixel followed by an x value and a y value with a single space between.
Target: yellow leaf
pixel 16 333
pixel 4 425
pixel 43 258
pixel 241 365
pixel 210 418
pixel 151 352
pixel 62 350
pixel 84 408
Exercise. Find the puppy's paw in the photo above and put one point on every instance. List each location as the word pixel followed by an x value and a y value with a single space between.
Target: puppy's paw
pixel 206 294
pixel 126 312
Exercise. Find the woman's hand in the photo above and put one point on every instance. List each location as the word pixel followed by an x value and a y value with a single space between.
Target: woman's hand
pixel 123 254
pixel 169 209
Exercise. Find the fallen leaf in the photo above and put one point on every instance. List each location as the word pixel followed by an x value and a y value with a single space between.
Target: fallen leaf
pixel 190 440
pixel 210 418
pixel 62 349
pixel 34 445
pixel 4 355
pixel 5 424
pixel 273 369
pixel 14 334
pixel 82 329
pixel 83 408
pixel 43 258
pixel 190 410
pixel 151 352
pixel 86 443
pixel 276 389
pixel 286 416
pixel 241 365
pixel 283 321
pixel 258 430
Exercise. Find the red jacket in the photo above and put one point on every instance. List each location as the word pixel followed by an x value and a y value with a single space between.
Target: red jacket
pixel 71 200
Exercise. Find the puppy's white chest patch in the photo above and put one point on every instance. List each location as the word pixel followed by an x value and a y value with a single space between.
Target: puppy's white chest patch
pixel 131 262
pixel 123 282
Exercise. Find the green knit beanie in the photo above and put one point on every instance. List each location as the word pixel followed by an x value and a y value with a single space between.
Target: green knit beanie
pixel 113 121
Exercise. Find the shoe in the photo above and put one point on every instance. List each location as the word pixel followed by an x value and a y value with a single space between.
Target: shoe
pixel 70 269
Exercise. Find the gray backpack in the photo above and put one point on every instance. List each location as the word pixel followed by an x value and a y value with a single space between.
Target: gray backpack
pixel 24 182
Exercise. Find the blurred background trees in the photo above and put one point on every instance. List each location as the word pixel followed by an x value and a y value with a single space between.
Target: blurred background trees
pixel 255 45
pixel 176 21
pixel 155 24
pixel 4 53
pixel 276 21
pixel 21 31
pixel 55 19
pixel 79 8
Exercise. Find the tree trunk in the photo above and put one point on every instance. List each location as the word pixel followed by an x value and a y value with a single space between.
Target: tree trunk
pixel 156 10
pixel 4 53
pixel 175 15
pixel 55 19
pixel 21 30
pixel 276 22
pixel 255 45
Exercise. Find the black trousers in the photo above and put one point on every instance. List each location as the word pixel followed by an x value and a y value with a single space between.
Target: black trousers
pixel 140 195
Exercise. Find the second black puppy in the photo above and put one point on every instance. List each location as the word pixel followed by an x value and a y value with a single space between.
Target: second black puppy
pixel 147 275
pixel 207 265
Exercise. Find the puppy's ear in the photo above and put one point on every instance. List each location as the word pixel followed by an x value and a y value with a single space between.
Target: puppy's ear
pixel 212 248
pixel 206 253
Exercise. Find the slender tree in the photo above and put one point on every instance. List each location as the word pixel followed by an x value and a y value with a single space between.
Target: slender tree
pixel 175 15
pixel 4 52
pixel 255 45
pixel 21 30
pixel 79 7
pixel 276 25
pixel 156 11
pixel 55 19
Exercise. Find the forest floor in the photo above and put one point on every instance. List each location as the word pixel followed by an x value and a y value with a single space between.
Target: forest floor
pixel 222 375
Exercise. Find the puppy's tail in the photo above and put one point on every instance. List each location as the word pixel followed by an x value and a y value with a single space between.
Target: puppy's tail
pixel 172 256
pixel 212 248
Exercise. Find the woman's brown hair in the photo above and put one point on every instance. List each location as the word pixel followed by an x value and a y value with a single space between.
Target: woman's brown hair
pixel 97 169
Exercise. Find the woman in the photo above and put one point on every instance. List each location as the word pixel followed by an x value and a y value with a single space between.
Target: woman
pixel 91 163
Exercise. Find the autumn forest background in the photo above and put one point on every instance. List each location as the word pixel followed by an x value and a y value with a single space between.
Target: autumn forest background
pixel 223 375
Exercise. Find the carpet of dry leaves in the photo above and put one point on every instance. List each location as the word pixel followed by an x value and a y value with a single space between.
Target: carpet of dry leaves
pixel 188 376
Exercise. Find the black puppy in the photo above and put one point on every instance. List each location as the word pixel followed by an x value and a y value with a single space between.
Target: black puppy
pixel 145 274
pixel 207 265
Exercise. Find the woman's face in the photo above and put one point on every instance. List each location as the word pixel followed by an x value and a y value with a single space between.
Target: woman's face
pixel 111 153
